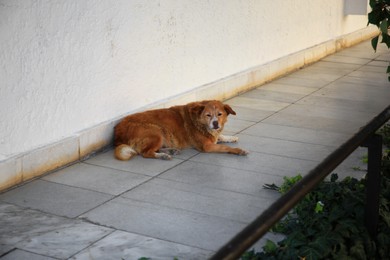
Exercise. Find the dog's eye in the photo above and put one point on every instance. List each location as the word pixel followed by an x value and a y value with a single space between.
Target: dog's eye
pixel 208 115
pixel 219 114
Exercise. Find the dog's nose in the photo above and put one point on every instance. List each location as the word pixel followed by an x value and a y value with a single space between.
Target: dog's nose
pixel 215 124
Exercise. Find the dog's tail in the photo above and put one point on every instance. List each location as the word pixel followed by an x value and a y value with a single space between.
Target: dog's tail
pixel 124 152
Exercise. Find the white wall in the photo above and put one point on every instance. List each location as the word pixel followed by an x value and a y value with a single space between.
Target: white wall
pixel 68 65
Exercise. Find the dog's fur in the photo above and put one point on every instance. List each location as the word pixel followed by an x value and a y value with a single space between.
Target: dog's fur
pixel 161 133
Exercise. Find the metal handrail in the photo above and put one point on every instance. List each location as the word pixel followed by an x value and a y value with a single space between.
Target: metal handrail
pixel 260 226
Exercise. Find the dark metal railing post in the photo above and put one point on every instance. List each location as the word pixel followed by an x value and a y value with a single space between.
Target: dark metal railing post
pixel 374 145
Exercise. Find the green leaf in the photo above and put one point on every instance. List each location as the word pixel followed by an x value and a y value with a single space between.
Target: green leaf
pixel 249 255
pixel 351 224
pixel 296 240
pixel 289 182
pixel 374 42
pixel 310 253
pixel 323 245
pixel 357 250
pixel 373 3
pixel 386 40
pixel 384 26
pixel 334 177
pixel 319 207
pixel 375 17
pixel 270 247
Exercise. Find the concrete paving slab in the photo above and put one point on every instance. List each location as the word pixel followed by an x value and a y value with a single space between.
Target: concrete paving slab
pixel 285 88
pixel 149 167
pixel 291 149
pixel 336 71
pixel 370 75
pixel 305 82
pixel 45 234
pixel 354 92
pixel 23 255
pixel 315 123
pixel 322 76
pixel 366 46
pixel 124 245
pixel 304 135
pixel 335 65
pixel 329 112
pixel 358 53
pixel 278 96
pixel 373 68
pixel 378 63
pixel 363 82
pixel 171 224
pixel 346 59
pixel 253 103
pixel 384 57
pixel 356 84
pixel 248 114
pixel 236 125
pixel 259 162
pixel 187 154
pixel 57 199
pixel 97 178
pixel 204 200
pixel 199 174
pixel 340 103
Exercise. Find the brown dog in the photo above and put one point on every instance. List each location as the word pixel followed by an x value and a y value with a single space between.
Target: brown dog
pixel 161 133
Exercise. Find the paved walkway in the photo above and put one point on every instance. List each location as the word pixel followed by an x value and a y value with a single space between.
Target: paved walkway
pixel 189 207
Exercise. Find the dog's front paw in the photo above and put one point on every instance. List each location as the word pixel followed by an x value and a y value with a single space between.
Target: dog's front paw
pixel 233 139
pixel 243 152
pixel 227 139
pixel 238 151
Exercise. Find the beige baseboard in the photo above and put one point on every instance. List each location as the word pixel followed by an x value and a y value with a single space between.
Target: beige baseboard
pixel 29 165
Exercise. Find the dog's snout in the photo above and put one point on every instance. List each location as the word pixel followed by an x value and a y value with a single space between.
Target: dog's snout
pixel 215 124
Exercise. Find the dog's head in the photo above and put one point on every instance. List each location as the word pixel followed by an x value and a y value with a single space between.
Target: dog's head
pixel 211 114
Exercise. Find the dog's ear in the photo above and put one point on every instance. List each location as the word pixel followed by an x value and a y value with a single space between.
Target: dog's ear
pixel 229 110
pixel 197 109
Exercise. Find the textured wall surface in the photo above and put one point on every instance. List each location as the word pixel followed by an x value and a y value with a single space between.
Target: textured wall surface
pixel 69 65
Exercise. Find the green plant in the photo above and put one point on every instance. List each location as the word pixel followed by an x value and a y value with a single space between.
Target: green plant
pixel 287 184
pixel 365 158
pixel 380 16
pixel 329 223
pixel 385 132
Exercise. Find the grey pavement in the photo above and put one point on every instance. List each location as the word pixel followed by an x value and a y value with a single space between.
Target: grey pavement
pixel 190 206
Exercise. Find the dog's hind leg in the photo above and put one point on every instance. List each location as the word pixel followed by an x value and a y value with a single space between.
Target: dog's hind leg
pixel 163 156
pixel 171 151
pixel 152 148
pixel 157 155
